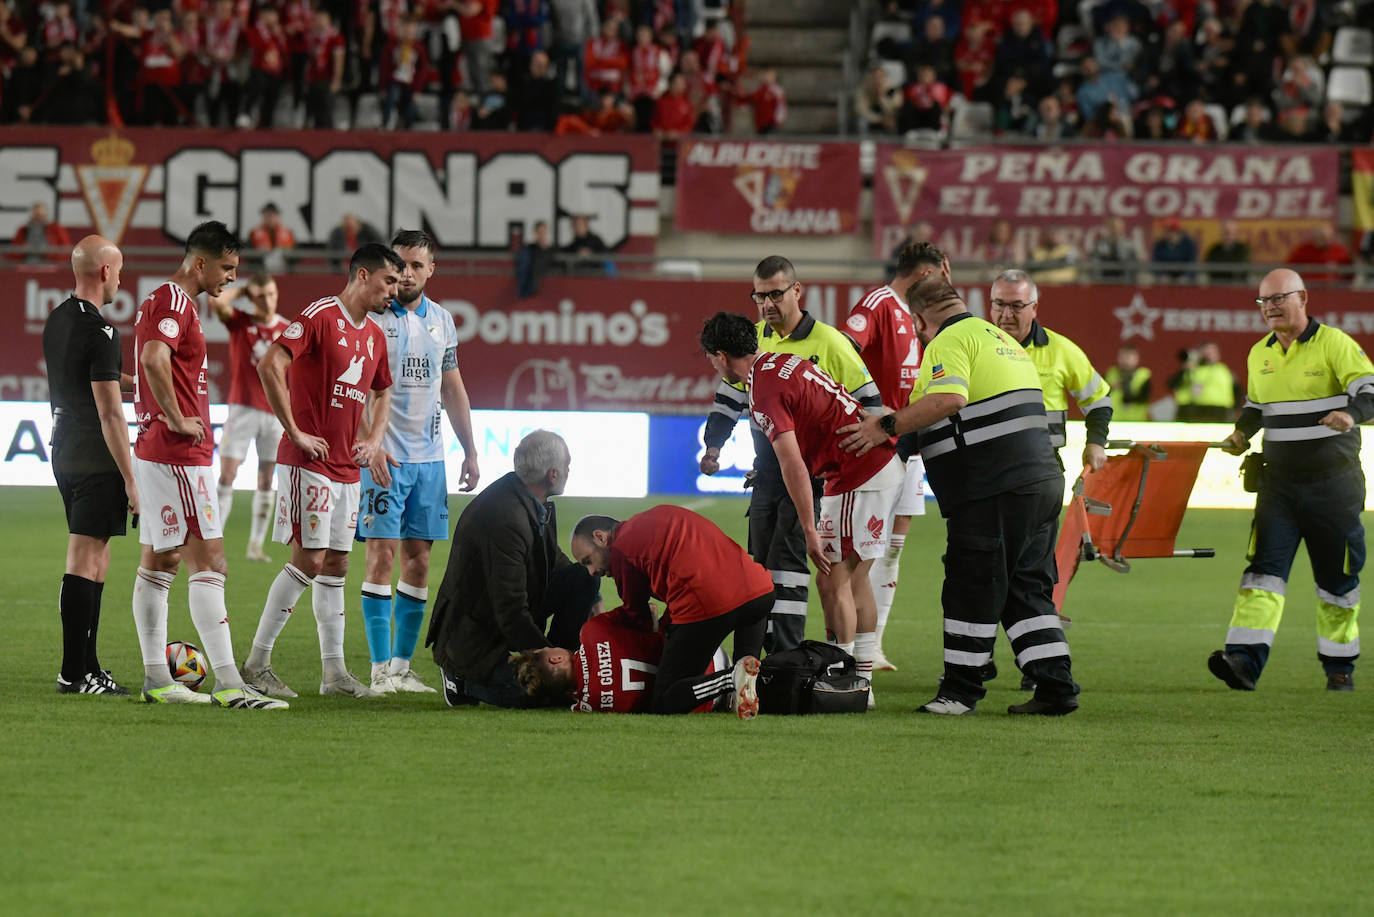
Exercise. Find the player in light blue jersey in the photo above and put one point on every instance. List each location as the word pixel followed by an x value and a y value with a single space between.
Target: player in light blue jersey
pixel 405 490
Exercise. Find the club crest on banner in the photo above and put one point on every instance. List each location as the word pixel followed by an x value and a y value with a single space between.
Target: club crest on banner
pixel 905 176
pixel 111 185
pixel 768 188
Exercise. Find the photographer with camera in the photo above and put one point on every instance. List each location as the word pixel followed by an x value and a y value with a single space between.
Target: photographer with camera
pixel 1204 389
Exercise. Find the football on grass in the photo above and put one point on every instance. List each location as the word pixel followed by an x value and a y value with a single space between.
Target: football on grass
pixel 186 664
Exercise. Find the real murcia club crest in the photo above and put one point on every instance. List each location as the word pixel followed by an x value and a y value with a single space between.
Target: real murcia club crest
pixel 369 348
pixel 111 185
pixel 905 176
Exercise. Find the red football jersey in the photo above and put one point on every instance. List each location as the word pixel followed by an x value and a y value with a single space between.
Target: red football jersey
pixel 169 315
pixel 269 50
pixel 606 63
pixel 789 392
pixel 646 70
pixel 614 668
pixel 248 343
pixel 770 106
pixel 334 364
pixel 881 325
pixel 321 47
pixel 685 561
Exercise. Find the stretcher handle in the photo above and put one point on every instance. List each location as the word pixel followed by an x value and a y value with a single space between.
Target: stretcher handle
pixel 1131 444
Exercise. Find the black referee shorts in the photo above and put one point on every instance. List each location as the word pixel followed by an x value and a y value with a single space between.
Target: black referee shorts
pixel 96 503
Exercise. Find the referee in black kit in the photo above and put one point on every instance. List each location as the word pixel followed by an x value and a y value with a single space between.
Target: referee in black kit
pixel 90 454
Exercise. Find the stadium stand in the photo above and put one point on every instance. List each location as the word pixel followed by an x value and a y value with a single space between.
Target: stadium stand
pixel 489 64
pixel 1145 54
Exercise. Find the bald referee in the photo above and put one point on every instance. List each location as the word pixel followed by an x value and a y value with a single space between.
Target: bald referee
pixel 90 454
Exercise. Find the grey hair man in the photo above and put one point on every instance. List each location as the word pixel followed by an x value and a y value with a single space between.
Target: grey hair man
pixel 508 586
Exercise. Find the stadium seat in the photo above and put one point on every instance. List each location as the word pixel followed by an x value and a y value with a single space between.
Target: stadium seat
pixel 680 267
pixel 1071 42
pixel 1085 13
pixel 971 119
pixel 1353 46
pixel 899 32
pixel 1349 86
pixel 727 33
pixel 925 139
pixel 896 72
pixel 369 112
pixel 1219 121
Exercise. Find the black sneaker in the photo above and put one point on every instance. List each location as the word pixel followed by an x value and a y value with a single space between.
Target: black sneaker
pixel 454 695
pixel 1340 681
pixel 114 687
pixel 1060 706
pixel 92 683
pixel 1230 670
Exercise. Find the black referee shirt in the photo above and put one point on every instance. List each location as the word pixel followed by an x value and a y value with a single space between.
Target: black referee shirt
pixel 80 347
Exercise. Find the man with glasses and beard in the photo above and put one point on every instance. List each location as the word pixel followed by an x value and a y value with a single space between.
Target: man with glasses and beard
pixel 776 539
pixel 1309 385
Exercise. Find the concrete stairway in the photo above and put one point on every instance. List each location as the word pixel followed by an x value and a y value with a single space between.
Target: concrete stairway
pixel 805 41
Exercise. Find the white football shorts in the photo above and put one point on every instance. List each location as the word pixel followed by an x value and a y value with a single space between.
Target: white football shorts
pixel 250 425
pixel 178 502
pixel 314 511
pixel 859 522
pixel 912 500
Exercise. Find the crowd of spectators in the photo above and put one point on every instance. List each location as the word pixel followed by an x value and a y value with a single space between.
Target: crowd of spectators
pixel 1196 70
pixel 1112 253
pixel 571 66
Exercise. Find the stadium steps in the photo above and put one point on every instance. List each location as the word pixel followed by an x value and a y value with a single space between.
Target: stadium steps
pixel 805 41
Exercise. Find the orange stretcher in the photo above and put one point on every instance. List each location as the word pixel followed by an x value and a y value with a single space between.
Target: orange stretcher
pixel 1131 508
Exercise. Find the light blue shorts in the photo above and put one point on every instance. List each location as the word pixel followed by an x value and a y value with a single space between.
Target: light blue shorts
pixel 414 506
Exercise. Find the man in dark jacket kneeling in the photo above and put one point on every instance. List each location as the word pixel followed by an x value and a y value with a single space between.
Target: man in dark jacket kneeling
pixel 509 586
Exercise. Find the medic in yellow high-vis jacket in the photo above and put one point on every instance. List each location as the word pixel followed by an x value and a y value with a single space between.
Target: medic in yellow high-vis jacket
pixel 1308 386
pixel 1063 367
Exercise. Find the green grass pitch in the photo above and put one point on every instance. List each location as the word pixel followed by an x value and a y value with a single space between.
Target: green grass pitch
pixel 1165 794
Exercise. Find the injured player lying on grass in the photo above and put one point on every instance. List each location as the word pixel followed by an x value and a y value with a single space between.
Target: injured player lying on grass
pixel 615 667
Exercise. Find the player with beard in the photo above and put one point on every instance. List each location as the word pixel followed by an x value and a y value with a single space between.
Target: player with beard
pixel 172 472
pixel 337 356
pixel 412 510
pixel 250 416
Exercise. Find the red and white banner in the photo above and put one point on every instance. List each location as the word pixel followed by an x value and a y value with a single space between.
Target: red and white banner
pixel 1276 193
pixel 600 344
pixel 471 190
pixel 768 187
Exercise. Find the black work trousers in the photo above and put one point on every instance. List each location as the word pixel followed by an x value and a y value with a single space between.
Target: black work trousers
pixel 999 569
pixel 680 686
pixel 777 542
